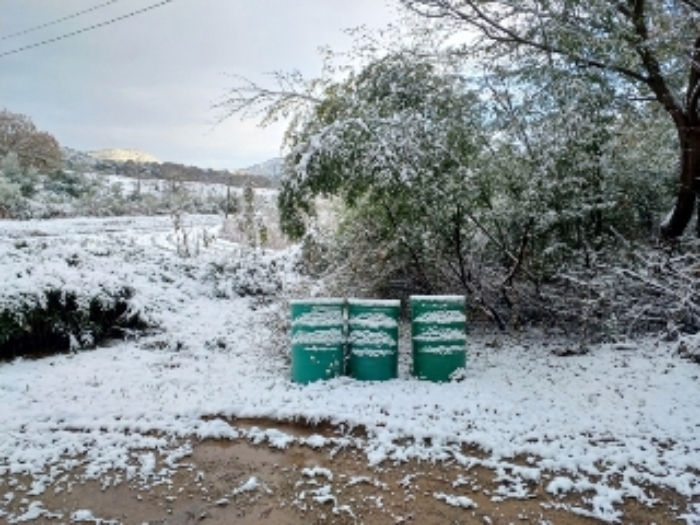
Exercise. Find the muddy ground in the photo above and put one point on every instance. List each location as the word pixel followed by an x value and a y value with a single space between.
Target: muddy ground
pixel 237 482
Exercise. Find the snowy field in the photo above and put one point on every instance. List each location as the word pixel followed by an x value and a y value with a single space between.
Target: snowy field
pixel 612 424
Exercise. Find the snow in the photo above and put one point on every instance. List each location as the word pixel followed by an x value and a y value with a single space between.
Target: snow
pixel 609 424
pixel 34 511
pixel 123 155
pixel 249 486
pixel 86 516
pixel 436 334
pixel 693 517
pixel 392 303
pixel 361 338
pixel 320 337
pixel 371 352
pixel 373 320
pixel 316 318
pixel 453 300
pixel 456 501
pixel 318 301
pixel 441 317
pixel 317 471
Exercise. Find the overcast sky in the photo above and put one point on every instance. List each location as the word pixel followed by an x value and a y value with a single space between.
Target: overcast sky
pixel 148 82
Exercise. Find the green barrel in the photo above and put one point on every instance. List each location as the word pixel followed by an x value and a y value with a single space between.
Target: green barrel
pixel 373 339
pixel 439 335
pixel 318 339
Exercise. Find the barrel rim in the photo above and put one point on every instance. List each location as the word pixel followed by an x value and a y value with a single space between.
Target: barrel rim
pixel 438 298
pixel 374 302
pixel 332 301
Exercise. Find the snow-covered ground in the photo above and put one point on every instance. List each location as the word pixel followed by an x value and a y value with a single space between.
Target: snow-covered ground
pixel 123 227
pixel 612 424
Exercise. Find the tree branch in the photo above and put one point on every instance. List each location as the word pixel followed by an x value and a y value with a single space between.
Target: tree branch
pixel 524 240
pixel 694 82
pixel 507 35
pixel 692 5
pixel 249 99
pixel 655 81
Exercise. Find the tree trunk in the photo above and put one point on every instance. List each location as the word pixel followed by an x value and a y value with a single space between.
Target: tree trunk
pixel 687 120
pixel 689 184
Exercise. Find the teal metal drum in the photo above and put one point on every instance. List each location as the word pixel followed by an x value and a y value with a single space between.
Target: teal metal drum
pixel 373 339
pixel 318 339
pixel 439 336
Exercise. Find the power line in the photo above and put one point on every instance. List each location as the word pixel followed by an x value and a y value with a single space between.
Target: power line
pixel 75 15
pixel 85 29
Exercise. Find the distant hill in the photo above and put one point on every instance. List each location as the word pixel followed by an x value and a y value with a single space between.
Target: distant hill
pixel 123 155
pixel 122 162
pixel 271 169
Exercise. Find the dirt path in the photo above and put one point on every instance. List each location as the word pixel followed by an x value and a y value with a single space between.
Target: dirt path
pixel 236 482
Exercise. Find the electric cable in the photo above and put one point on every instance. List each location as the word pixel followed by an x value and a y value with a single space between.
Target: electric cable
pixel 42 26
pixel 85 29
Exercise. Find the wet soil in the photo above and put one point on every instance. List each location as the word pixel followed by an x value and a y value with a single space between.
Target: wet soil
pixel 236 482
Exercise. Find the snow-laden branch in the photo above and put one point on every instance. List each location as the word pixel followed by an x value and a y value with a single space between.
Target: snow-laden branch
pixel 248 99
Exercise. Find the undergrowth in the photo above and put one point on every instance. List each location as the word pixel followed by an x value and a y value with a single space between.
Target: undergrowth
pixel 57 321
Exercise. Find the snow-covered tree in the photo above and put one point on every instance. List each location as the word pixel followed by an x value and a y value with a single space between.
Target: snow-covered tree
pixel 400 141
pixel 577 166
pixel 449 188
pixel 648 49
pixel 490 179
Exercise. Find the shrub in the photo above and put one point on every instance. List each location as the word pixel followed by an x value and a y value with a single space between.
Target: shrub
pixel 12 204
pixel 58 321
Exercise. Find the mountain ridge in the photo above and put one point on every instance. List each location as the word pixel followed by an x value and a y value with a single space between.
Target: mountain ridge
pixel 124 155
pixel 132 161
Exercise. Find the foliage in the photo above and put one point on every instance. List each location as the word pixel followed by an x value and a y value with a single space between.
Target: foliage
pixel 28 194
pixel 642 50
pixel 650 291
pixel 445 189
pixel 396 131
pixel 15 186
pixel 68 183
pixel 34 148
pixel 13 172
pixel 11 200
pixel 496 163
pixel 58 321
pixel 248 275
pixel 577 167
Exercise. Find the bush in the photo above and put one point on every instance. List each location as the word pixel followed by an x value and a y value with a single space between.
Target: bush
pixel 12 204
pixel 57 321
pixel 68 183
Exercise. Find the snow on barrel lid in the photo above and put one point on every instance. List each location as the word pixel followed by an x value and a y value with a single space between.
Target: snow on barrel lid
pixel 375 302
pixel 439 298
pixel 315 301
